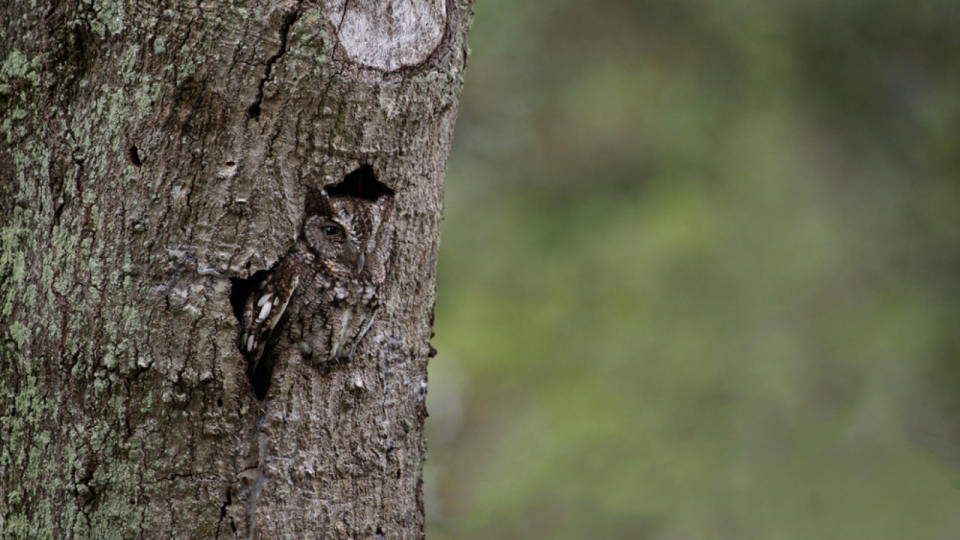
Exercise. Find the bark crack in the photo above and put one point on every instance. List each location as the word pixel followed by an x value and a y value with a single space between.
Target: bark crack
pixel 223 511
pixel 253 111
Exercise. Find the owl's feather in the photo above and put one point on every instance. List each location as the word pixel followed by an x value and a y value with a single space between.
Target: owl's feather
pixel 265 307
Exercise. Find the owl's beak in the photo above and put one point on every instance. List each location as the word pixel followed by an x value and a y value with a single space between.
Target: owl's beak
pixel 354 256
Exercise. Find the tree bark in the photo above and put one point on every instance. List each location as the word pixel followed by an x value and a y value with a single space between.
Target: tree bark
pixel 153 156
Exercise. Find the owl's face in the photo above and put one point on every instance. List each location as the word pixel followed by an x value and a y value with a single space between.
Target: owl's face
pixel 336 238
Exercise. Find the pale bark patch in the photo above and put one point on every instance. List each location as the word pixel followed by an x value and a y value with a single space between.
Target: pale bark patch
pixel 389 35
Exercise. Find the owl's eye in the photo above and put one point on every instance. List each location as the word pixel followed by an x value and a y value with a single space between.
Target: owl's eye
pixel 332 230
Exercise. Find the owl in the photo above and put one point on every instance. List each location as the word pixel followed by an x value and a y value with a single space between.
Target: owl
pixel 323 296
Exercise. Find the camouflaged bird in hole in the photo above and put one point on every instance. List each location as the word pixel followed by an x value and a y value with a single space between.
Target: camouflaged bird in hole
pixel 322 297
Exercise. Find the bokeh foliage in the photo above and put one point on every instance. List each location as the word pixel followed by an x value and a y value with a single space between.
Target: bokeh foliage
pixel 700 274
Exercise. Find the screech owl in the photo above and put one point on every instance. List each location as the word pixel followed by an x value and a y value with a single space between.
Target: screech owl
pixel 323 296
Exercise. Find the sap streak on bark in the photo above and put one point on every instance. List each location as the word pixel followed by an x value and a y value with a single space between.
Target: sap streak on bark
pixel 389 34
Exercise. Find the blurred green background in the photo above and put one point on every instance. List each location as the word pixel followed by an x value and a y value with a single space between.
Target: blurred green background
pixel 700 274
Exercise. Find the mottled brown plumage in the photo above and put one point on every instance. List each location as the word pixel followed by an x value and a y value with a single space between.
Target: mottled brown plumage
pixel 322 297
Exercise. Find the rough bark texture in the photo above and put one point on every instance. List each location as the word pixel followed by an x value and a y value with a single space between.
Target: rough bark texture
pixel 149 152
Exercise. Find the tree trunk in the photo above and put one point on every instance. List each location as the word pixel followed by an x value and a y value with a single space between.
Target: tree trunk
pixel 154 158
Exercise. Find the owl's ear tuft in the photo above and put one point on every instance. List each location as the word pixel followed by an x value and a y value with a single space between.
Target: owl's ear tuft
pixel 318 202
pixel 361 183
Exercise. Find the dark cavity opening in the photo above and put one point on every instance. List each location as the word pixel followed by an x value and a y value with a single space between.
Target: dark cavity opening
pixel 360 183
pixel 260 379
pixel 240 290
pixel 135 156
pixel 254 111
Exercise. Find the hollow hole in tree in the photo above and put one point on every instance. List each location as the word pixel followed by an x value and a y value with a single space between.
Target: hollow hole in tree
pixel 260 379
pixel 240 290
pixel 360 183
pixel 135 156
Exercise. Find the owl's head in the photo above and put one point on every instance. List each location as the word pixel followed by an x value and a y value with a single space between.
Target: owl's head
pixel 343 232
pixel 333 237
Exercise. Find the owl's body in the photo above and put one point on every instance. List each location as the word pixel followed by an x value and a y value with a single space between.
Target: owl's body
pixel 323 296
